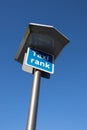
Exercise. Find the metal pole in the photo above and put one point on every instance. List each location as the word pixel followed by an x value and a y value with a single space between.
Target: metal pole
pixel 32 116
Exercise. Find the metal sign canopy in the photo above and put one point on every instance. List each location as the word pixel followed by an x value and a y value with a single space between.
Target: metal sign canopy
pixel 45 38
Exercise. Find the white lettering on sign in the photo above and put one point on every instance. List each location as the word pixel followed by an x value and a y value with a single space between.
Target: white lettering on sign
pixel 40 60
pixel 40 63
pixel 41 56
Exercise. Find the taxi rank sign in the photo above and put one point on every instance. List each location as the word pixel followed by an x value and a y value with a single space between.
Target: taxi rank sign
pixel 40 60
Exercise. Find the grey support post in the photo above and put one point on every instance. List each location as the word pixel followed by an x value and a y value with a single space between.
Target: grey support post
pixel 32 116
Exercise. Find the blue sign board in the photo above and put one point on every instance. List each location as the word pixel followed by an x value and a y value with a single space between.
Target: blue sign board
pixel 40 60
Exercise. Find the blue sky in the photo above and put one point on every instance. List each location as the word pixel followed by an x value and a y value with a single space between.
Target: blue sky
pixel 63 98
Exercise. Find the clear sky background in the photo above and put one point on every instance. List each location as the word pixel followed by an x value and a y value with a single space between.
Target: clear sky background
pixel 63 97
